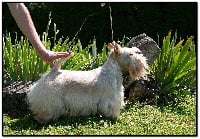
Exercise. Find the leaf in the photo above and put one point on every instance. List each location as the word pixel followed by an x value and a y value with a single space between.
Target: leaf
pixel 78 66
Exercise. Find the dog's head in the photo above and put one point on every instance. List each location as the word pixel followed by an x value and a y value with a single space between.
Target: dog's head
pixel 130 59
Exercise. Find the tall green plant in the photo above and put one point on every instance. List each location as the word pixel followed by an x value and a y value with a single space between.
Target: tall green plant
pixel 175 67
pixel 20 60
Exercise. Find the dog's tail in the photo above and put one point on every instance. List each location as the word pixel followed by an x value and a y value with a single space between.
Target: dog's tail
pixel 56 66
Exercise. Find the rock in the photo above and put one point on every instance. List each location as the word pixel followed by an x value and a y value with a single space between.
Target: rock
pixel 147 45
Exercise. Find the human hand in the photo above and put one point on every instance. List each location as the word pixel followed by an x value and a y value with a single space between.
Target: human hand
pixel 50 56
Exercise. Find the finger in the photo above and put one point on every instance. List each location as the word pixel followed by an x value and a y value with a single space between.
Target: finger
pixel 62 54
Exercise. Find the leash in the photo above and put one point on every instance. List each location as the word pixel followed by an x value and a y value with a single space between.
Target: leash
pixel 70 46
pixel 86 18
pixel 111 26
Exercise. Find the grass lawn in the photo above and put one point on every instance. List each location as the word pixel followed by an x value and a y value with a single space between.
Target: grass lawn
pixel 135 119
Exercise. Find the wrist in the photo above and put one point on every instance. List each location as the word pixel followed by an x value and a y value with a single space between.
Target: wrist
pixel 42 51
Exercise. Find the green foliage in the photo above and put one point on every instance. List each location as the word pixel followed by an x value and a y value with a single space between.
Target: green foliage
pixel 175 67
pixel 20 60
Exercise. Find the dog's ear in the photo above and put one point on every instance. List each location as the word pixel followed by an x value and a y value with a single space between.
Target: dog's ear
pixel 110 46
pixel 115 46
pixel 117 49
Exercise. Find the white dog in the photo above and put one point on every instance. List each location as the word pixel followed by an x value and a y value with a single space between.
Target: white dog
pixel 74 93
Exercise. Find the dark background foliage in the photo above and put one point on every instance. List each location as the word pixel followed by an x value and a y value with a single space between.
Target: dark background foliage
pixel 129 19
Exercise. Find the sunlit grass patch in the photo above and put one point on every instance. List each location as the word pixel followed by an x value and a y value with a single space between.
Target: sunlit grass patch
pixel 135 119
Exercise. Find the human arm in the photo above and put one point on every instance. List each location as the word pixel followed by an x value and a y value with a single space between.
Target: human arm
pixel 24 21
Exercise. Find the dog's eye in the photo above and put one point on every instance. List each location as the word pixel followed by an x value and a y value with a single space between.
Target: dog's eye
pixel 138 52
pixel 130 54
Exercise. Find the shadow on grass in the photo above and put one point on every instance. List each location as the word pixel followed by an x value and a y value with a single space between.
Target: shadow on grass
pixel 171 103
pixel 28 122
